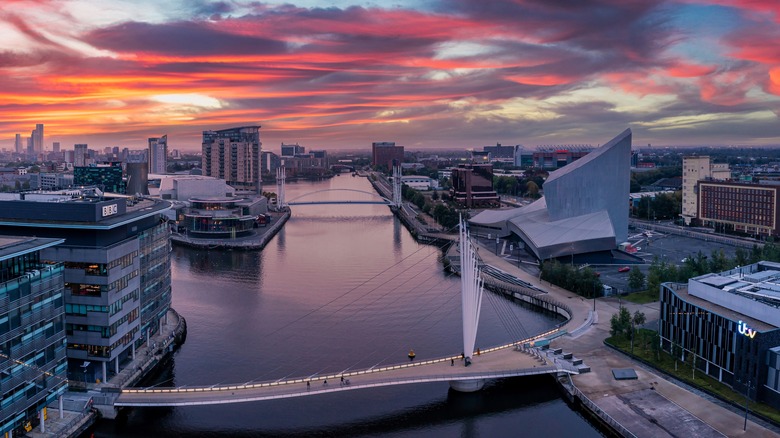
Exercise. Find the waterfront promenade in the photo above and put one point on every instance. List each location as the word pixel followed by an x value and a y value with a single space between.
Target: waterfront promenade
pixel 650 406
pixel 78 416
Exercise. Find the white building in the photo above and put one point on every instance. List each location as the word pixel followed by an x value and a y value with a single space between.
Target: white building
pixel 418 182
pixel 694 170
pixel 184 187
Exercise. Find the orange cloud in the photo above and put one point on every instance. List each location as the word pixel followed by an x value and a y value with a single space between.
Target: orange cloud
pixel 774 81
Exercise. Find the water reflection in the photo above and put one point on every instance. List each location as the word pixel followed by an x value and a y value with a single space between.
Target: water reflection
pixel 337 289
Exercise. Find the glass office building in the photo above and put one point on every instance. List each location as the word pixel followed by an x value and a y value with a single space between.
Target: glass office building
pixel 33 363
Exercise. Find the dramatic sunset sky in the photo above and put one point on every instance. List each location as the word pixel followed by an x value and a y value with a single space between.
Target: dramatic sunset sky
pixel 425 74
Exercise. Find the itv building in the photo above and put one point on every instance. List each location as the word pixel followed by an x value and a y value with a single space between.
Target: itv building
pixel 728 324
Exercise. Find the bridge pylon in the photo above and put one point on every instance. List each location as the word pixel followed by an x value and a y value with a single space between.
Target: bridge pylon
pixel 281 202
pixel 397 198
pixel 471 291
pixel 471 288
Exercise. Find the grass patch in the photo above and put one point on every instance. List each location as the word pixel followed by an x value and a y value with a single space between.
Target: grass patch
pixel 643 297
pixel 684 372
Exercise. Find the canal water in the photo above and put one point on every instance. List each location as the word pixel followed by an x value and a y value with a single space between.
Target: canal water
pixel 340 287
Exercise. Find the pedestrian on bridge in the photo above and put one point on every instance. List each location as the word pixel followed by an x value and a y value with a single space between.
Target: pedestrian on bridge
pixel 308 385
pixel 452 362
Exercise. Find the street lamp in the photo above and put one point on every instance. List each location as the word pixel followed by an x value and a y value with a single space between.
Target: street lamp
pixel 497 240
pixel 747 399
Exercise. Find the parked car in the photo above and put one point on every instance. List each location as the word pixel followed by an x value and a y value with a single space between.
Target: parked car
pixel 624 269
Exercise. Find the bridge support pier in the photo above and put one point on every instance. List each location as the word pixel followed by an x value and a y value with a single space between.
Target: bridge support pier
pixel 107 411
pixel 467 385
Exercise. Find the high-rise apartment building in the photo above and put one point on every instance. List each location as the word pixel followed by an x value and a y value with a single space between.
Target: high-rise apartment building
pixel 33 364
pixel 158 154
pixel 116 271
pixel 233 155
pixel 696 169
pixel 80 155
pixel 55 146
pixel 386 154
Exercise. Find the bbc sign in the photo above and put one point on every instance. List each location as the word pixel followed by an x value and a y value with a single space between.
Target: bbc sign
pixel 109 210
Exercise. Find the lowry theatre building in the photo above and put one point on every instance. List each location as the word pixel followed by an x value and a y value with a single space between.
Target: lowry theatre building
pixel 727 324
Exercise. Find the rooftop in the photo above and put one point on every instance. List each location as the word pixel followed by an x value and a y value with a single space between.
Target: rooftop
pixel 136 209
pixel 11 246
pixel 723 311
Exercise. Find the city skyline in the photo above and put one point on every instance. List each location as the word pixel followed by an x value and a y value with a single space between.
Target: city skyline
pixel 436 74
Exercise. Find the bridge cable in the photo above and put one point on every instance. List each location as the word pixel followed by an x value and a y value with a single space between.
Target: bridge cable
pixel 351 290
pixel 401 297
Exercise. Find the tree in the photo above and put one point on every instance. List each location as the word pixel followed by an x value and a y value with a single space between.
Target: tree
pixel 418 200
pixel 635 186
pixel 620 323
pixel 637 320
pixel 718 261
pixel 435 195
pixel 655 345
pixel 740 257
pixel 636 279
pixel 533 189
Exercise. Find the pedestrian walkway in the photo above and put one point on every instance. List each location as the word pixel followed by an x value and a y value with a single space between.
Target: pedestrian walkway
pixel 647 406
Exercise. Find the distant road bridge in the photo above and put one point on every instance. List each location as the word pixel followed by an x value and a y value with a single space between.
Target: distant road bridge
pixel 282 202
pixel 374 198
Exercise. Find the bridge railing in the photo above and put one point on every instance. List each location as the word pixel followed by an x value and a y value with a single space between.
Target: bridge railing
pixel 531 293
pixel 290 390
pixel 337 376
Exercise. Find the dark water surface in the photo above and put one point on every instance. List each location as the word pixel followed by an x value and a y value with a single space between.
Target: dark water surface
pixel 341 287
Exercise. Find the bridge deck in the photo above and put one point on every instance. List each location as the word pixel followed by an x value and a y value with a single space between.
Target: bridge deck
pixel 505 362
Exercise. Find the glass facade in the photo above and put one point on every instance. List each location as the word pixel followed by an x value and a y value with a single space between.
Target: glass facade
pixel 711 338
pixel 107 177
pixel 155 264
pixel 717 346
pixel 33 359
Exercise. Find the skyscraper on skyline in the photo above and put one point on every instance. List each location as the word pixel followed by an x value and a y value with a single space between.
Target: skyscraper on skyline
pixel 55 146
pixel 80 155
pixel 233 155
pixel 158 154
pixel 18 145
pixel 37 139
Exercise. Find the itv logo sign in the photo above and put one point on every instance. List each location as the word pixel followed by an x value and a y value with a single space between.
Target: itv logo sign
pixel 743 329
